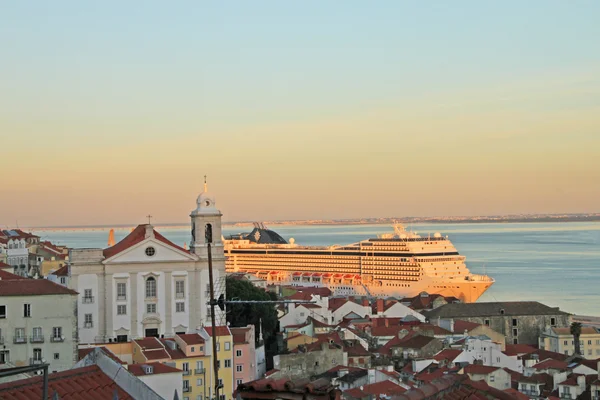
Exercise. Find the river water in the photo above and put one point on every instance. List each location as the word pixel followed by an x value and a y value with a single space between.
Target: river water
pixel 557 264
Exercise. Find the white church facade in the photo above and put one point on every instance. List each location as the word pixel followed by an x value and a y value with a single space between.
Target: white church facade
pixel 145 285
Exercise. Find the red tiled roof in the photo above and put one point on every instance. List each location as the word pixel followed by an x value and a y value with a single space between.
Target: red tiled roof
pixel 86 383
pixel 447 354
pixel 149 343
pixel 518 349
pixel 157 368
pixel 4 265
pixel 551 364
pixel 81 353
pixel 191 338
pixel 31 287
pixel 571 381
pixel 516 394
pixel 136 236
pixel 387 387
pixel 460 326
pixel 239 335
pixel 221 330
pixel 62 271
pixel 480 369
pixel 8 276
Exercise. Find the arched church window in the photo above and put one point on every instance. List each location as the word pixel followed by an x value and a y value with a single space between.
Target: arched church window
pixel 208 233
pixel 151 287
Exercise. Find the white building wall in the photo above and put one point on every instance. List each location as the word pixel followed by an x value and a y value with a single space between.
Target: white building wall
pixel 489 354
pixel 88 281
pixel 121 321
pixel 181 318
pixel 165 385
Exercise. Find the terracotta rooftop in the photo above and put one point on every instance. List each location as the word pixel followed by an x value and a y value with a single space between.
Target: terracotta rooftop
pixel 585 330
pixel 8 276
pixel 269 388
pixel 157 368
pixel 62 271
pixel 516 394
pixel 480 369
pixel 221 330
pixel 191 338
pixel 551 364
pixel 460 326
pixel 4 265
pixel 239 335
pixel 447 354
pixel 81 353
pixel 136 236
pixel 10 286
pixel 518 349
pixel 86 383
pixel 375 390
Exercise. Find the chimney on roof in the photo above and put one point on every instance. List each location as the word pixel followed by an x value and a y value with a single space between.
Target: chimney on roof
pixel 149 231
pixel 365 302
pixel 387 323
pixel 379 306
pixel 451 324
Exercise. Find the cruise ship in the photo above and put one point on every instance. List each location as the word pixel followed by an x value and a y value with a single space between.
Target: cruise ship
pixel 399 264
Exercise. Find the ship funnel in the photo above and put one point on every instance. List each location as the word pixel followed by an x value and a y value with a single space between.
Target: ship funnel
pixel 111 238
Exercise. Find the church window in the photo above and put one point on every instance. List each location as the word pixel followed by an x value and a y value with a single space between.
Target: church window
pixel 150 251
pixel 151 287
pixel 208 233
pixel 151 308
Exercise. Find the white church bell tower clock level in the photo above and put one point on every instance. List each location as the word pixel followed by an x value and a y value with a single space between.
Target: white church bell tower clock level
pixel 206 226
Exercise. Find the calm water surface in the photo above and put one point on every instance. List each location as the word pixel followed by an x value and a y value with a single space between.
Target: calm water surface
pixel 557 264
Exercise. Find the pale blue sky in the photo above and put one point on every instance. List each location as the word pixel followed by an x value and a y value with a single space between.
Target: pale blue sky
pixel 292 94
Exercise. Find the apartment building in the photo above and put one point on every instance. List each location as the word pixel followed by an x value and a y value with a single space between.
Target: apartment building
pixel 38 323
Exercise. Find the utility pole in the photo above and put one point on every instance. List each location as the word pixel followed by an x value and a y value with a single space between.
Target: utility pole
pixel 213 323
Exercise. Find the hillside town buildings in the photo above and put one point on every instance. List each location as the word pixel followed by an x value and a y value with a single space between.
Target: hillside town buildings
pixel 134 321
pixel 521 322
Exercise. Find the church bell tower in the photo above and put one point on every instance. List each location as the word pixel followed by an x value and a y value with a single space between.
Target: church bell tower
pixel 206 227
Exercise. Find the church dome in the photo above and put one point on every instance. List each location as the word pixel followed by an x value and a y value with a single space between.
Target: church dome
pixel 205 203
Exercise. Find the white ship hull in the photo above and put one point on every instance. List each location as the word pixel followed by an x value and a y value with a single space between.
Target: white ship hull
pixel 400 265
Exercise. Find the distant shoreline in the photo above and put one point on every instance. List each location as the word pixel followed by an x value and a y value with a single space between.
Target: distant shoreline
pixel 363 221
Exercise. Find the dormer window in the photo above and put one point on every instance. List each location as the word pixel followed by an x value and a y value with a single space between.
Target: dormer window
pixel 151 287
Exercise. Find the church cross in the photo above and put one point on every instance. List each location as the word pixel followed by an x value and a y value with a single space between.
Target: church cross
pixel 149 218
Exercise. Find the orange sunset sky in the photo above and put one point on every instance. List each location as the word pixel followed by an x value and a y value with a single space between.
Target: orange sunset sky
pixel 105 118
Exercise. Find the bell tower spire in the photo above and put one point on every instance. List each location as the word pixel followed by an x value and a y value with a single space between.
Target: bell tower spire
pixel 206 224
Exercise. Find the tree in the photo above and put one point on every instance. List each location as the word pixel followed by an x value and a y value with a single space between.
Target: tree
pixel 240 315
pixel 576 332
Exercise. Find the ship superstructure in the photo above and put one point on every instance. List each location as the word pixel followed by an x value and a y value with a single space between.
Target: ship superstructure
pixel 399 264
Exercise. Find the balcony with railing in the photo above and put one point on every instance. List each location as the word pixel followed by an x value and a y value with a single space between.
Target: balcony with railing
pixel 179 295
pixel 121 298
pixel 199 371
pixel 20 339
pixel 186 373
pixel 57 339
pixel 36 339
pixel 35 361
pixel 186 389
